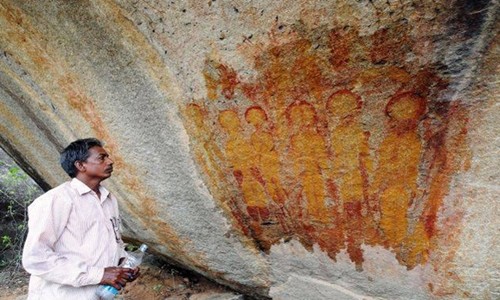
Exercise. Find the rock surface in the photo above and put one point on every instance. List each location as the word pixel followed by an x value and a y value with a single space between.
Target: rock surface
pixel 288 149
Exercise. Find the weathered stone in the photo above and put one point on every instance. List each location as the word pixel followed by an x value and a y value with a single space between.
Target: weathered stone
pixel 296 149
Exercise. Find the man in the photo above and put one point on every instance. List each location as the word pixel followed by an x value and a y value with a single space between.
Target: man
pixel 74 241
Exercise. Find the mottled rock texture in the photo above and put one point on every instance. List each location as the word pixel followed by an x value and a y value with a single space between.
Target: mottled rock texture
pixel 289 149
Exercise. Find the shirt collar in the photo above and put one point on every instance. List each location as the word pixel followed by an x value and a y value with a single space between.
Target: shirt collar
pixel 82 188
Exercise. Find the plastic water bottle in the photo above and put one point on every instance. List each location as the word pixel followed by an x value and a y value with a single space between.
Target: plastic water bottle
pixel 133 260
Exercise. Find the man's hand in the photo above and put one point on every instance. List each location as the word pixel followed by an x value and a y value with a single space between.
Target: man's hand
pixel 118 277
pixel 135 273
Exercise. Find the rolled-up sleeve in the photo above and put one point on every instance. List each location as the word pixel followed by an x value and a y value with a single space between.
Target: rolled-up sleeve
pixel 48 216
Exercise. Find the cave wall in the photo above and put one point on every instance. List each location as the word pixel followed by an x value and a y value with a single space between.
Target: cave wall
pixel 275 147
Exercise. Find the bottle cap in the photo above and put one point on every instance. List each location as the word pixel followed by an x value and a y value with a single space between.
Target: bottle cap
pixel 143 248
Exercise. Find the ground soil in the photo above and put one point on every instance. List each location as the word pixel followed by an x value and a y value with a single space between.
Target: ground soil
pixel 158 281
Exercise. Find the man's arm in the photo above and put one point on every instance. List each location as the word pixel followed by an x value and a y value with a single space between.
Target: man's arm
pixel 47 219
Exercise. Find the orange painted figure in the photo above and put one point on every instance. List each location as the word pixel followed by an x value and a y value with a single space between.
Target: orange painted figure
pixel 267 157
pixel 243 161
pixel 351 166
pixel 395 182
pixel 310 159
pixel 267 161
pixel 209 158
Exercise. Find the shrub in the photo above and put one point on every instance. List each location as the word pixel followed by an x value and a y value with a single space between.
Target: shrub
pixel 17 191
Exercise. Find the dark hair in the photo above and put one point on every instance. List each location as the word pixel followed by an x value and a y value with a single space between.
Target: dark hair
pixel 77 151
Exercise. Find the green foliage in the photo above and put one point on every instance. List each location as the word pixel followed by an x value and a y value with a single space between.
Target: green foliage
pixel 17 191
pixel 131 248
pixel 6 241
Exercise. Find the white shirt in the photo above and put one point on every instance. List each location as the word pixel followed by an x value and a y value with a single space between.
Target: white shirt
pixel 72 236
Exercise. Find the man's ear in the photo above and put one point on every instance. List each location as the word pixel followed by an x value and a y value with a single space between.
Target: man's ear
pixel 79 166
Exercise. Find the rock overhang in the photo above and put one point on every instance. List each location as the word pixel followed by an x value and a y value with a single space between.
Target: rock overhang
pixel 249 138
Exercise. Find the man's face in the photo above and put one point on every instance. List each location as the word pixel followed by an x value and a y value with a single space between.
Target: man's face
pixel 98 164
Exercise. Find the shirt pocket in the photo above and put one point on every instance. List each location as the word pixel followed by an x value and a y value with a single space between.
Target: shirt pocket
pixel 86 227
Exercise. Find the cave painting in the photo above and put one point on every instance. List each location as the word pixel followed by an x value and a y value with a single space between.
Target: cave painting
pixel 309 158
pixel 208 155
pixel 257 182
pixel 338 141
pixel 395 180
pixel 351 166
pixel 267 164
pixel 242 160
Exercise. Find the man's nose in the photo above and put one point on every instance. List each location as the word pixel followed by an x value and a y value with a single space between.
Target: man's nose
pixel 110 161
